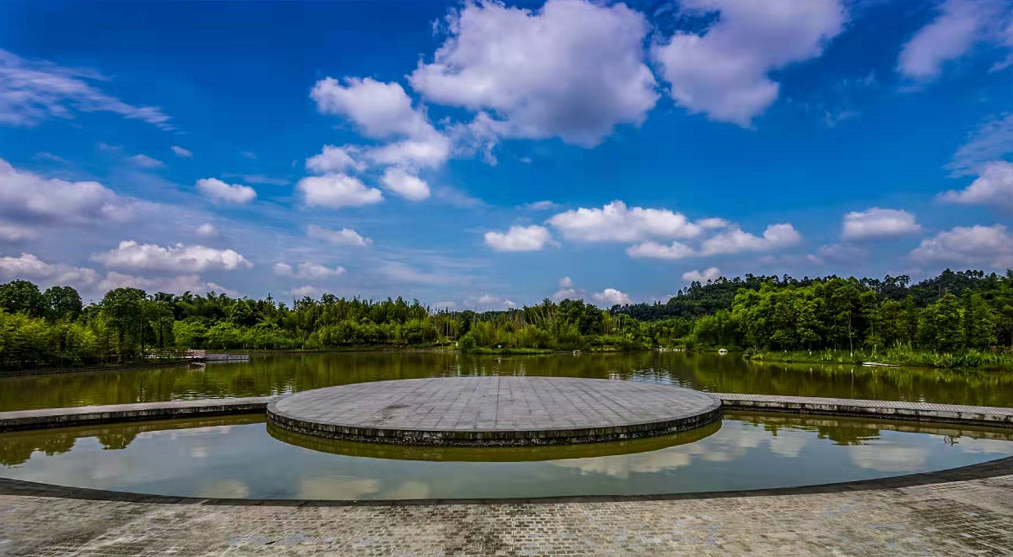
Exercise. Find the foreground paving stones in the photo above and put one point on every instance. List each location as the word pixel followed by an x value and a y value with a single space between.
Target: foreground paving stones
pixel 973 517
pixel 502 410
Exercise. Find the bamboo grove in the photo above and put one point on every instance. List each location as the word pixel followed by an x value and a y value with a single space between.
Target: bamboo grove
pixel 955 319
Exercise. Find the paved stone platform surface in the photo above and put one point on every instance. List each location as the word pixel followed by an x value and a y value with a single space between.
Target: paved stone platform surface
pixel 81 415
pixel 973 517
pixel 489 409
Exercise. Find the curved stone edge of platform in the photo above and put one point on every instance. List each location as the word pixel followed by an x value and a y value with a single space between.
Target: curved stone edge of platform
pixel 497 438
pixel 91 415
pixel 988 416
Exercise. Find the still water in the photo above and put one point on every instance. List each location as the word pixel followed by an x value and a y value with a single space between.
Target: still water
pixel 283 373
pixel 212 458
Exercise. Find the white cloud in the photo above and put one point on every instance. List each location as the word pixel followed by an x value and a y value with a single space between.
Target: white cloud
pixel 573 69
pixel 30 267
pixel 960 24
pixel 173 284
pixel 991 141
pixel 206 229
pixel 840 253
pixel 708 275
pixel 398 271
pixel 655 250
pixel 404 184
pixel 876 223
pixel 725 71
pixel 444 305
pixel 566 291
pixel 519 238
pixel 180 258
pixel 490 301
pixel 33 91
pixel 260 179
pixel 975 245
pixel 334 159
pixel 379 110
pixel 308 271
pixel 993 188
pixel 544 205
pixel 181 152
pixel 337 190
pixel 615 223
pixel 611 297
pixel 776 236
pixel 304 291
pixel 26 195
pixel 221 192
pixel 144 161
pixel 14 233
pixel 345 236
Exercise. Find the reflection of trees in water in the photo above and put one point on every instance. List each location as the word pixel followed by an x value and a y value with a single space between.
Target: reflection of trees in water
pixel 279 373
pixel 17 447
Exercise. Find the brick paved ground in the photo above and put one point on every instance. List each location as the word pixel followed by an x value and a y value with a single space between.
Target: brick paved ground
pixel 513 409
pixel 972 517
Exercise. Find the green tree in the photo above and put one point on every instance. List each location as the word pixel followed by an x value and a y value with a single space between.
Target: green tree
pixel 22 296
pixel 62 302
pixel 979 321
pixel 124 308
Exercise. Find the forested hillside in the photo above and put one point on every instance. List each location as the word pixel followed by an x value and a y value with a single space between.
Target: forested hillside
pixel 968 312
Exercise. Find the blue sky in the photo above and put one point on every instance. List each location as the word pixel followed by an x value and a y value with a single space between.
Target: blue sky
pixel 481 155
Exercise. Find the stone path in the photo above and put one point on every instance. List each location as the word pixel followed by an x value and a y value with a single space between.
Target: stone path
pixel 493 410
pixel 970 517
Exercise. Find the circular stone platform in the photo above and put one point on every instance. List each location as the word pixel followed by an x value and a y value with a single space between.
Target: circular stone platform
pixel 491 411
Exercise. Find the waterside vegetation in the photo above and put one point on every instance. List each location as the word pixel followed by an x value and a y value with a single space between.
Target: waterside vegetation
pixel 957 319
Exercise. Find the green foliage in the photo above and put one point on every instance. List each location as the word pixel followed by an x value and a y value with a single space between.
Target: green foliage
pixel 844 318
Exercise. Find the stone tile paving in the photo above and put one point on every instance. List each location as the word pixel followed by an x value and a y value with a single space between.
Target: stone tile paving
pixel 493 404
pixel 972 517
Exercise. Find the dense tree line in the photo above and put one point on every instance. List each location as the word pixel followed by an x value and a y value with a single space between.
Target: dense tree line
pixel 953 312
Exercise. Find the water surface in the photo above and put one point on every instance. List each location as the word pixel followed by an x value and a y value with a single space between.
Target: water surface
pixel 283 373
pixel 239 457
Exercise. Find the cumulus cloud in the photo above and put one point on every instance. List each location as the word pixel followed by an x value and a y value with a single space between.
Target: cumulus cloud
pixel 566 291
pixel 24 195
pixel 337 190
pixel 491 301
pixel 572 69
pixel 993 188
pixel 334 159
pixel 10 232
pixel 308 271
pixel 172 284
pixel 612 297
pixel 876 223
pixel 345 236
pixel 179 258
pixel 33 91
pixel 380 111
pixel 975 245
pixel 544 205
pixel 29 267
pixel 519 238
pixel 655 250
pixel 617 223
pixel 144 161
pixel 181 152
pixel 206 229
pixel 724 72
pixel 708 275
pixel 776 236
pixel 406 185
pixel 991 141
pixel 306 291
pixel 959 25
pixel 220 192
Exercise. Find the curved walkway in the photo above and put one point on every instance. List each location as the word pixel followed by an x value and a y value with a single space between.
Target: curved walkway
pixel 966 511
